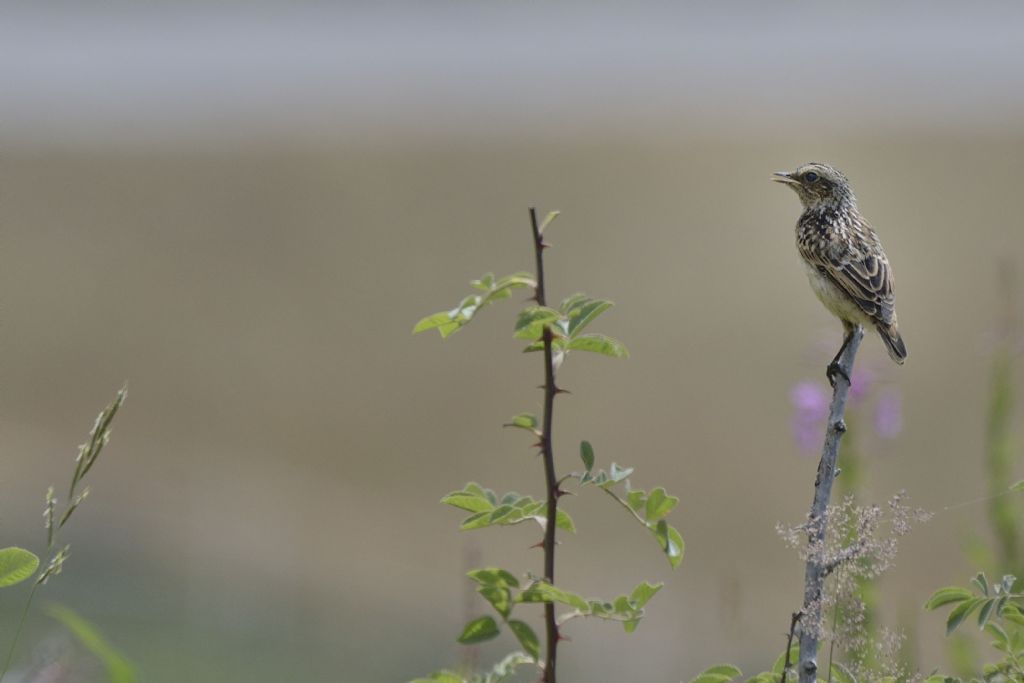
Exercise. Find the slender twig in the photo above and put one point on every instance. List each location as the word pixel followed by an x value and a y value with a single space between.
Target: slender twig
pixel 816 569
pixel 789 644
pixel 547 451
pixel 17 633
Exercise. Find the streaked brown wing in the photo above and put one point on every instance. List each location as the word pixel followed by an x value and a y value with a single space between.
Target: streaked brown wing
pixel 867 278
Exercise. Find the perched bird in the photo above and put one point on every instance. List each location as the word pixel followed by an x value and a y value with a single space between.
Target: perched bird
pixel 845 262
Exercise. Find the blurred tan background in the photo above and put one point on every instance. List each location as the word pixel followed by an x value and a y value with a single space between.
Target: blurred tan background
pixel 242 210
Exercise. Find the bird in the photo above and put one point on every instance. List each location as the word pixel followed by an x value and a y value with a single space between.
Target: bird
pixel 846 264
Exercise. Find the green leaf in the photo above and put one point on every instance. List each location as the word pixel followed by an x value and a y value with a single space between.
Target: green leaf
pixel 527 638
pixel 794 659
pixel 644 592
pixel 671 542
pixel 840 674
pixel 548 220
pixel 659 504
pixel 981 582
pixel 519 280
pixel 1013 614
pixel 441 677
pixel 712 678
pixel 1018 486
pixel 997 631
pixel 493 576
pixel 442 320
pixel 961 612
pixel 598 343
pixel 581 311
pixel 472 498
pixel 525 421
pixel 16 565
pixel 505 668
pixel 985 612
pixel 486 282
pixel 541 591
pixel 499 597
pixel 587 455
pixel 946 595
pixel 479 630
pixel 563 521
pixel 532 320
pixel 119 669
pixel 726 670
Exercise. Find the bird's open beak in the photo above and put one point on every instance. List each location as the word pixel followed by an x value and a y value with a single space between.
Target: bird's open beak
pixel 781 177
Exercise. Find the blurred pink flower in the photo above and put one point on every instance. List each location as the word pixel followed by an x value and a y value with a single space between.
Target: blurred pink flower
pixel 810 403
pixel 861 383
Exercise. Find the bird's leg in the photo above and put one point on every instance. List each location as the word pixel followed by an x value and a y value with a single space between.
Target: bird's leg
pixel 834 368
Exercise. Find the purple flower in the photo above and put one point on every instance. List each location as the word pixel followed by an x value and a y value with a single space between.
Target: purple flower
pixel 810 404
pixel 889 414
pixel 861 383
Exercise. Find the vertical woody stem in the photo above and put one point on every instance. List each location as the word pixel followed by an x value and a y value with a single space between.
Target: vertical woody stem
pixel 551 626
pixel 816 570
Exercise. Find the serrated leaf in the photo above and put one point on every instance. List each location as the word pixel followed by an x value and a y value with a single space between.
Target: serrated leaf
pixel 542 591
pixel 486 282
pixel 961 612
pixel 587 455
pixel 671 542
pixel 16 565
pixel 532 320
pixel 493 576
pixel 564 521
pixel 636 499
pixel 642 594
pixel 582 312
pixel 499 597
pixel 598 343
pixel 526 637
pixel 659 504
pixel 946 595
pixel 479 630
pixel 471 499
pixel 442 321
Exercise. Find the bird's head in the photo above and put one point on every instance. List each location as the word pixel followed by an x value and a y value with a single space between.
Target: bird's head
pixel 817 185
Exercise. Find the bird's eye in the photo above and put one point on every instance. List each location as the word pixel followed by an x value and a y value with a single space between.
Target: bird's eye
pixel 811 177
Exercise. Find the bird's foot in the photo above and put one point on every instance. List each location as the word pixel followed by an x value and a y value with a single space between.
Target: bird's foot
pixel 835 370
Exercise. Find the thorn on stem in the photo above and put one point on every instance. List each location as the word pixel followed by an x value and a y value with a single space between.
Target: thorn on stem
pixel 560 390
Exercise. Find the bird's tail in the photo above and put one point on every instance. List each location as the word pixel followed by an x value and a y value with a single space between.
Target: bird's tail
pixel 893 342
